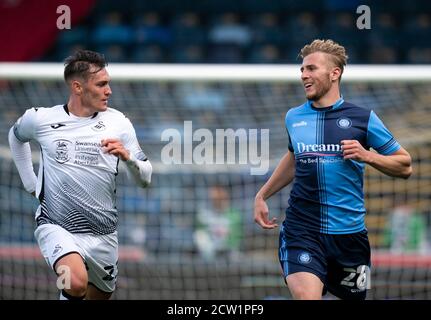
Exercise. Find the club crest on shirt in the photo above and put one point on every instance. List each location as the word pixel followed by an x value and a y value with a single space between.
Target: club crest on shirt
pixel 344 123
pixel 62 150
pixel 100 126
pixel 304 258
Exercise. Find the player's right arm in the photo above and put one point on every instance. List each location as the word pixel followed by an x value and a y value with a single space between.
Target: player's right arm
pixel 281 177
pixel 19 136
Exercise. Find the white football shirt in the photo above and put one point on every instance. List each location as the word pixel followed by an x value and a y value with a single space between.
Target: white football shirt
pixel 77 181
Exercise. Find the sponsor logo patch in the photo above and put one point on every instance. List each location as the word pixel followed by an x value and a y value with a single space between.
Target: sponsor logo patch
pixel 58 125
pixel 299 124
pixel 57 250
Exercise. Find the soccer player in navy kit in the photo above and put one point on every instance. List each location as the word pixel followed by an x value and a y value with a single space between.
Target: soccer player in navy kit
pixel 323 239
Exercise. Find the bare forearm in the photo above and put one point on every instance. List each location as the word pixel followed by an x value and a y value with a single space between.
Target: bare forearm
pixel 281 177
pixel 396 165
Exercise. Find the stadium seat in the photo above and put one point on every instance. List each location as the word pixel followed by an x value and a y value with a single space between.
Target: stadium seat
pixel 188 54
pixel 78 35
pixel 112 30
pixel 149 29
pixel 266 29
pixel 151 53
pixel 187 29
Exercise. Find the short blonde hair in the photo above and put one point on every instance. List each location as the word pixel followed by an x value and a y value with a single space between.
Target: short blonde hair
pixel 335 50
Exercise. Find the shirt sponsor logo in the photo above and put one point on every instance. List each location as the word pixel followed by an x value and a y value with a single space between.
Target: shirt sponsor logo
pixel 87 153
pixel 299 124
pixel 302 147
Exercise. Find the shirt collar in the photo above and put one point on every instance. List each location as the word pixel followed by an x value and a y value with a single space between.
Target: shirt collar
pixel 337 103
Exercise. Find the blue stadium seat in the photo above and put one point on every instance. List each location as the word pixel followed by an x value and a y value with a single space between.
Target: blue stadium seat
pixel 266 29
pixel 385 31
pixel 225 53
pixel 382 55
pixel 76 35
pixel 152 53
pixel 187 29
pixel 149 29
pixel 294 6
pixel 163 6
pixel 112 30
pixel 228 29
pixel 341 5
pixel 264 54
pixel 258 6
pixel 301 28
pixel 417 30
pixel 419 55
pixel 113 52
pixel 188 54
pixel 341 27
pixel 62 52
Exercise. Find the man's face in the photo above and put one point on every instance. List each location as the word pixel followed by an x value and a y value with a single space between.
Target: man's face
pixel 315 75
pixel 96 91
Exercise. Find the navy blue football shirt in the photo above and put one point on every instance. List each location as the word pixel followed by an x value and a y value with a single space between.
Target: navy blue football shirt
pixel 327 195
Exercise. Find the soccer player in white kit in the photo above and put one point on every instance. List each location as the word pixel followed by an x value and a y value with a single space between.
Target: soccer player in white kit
pixel 81 143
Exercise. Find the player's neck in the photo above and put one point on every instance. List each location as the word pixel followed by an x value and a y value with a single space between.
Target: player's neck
pixel 329 99
pixel 78 110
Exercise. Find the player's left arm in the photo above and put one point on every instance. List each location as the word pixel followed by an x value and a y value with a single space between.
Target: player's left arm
pixel 128 150
pixel 138 166
pixel 398 164
pixel 116 148
pixel 389 158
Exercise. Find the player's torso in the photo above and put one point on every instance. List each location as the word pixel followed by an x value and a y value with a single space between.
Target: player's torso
pixel 327 192
pixel 74 142
pixel 319 133
pixel 76 181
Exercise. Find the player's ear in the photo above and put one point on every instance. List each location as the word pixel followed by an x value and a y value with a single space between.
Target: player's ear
pixel 76 87
pixel 335 74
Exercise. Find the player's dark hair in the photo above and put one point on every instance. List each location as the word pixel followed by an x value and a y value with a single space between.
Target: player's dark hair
pixel 79 64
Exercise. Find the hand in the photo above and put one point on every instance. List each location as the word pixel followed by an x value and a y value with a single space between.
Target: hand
pixel 116 148
pixel 261 215
pixel 352 149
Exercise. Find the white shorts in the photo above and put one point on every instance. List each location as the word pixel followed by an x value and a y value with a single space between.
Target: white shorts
pixel 100 252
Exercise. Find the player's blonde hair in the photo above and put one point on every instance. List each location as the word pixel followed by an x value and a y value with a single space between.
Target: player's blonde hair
pixel 336 51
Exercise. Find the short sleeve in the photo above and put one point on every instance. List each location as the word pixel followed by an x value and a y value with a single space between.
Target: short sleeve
pixel 289 145
pixel 379 137
pixel 24 127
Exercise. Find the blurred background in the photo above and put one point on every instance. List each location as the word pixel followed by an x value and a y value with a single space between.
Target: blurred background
pixel 191 235
pixel 215 31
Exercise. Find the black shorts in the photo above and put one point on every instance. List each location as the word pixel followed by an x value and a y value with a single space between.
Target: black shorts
pixel 342 262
